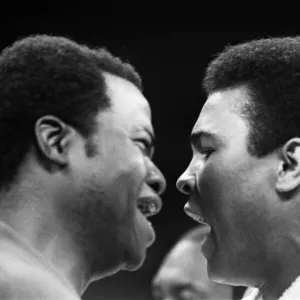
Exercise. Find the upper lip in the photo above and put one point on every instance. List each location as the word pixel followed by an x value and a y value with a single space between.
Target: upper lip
pixel 194 212
pixel 150 202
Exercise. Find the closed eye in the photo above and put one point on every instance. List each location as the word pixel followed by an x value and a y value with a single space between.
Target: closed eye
pixel 206 152
pixel 146 146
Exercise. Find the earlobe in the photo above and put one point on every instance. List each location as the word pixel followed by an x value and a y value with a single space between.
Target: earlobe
pixel 288 175
pixel 52 138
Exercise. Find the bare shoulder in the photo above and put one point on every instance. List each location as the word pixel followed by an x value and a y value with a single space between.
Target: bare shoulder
pixel 5 286
pixel 23 281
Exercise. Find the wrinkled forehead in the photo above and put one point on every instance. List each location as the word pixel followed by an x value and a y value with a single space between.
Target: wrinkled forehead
pixel 127 101
pixel 125 94
pixel 222 109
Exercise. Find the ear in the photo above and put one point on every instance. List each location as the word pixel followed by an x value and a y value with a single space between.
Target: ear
pixel 288 176
pixel 53 139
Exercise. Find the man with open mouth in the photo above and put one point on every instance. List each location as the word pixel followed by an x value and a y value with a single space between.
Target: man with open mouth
pixel 243 180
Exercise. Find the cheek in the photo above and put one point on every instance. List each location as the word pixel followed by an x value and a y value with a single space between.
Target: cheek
pixel 215 185
pixel 115 175
pixel 234 201
pixel 130 176
pixel 124 169
pixel 226 189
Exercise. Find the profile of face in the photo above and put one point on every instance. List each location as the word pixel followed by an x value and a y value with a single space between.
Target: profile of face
pixel 111 191
pixel 183 276
pixel 230 190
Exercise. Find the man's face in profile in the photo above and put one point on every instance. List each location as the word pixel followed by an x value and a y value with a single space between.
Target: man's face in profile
pixel 117 187
pixel 229 190
pixel 183 276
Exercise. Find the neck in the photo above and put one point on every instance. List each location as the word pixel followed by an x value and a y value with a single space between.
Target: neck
pixel 284 274
pixel 30 214
pixel 66 261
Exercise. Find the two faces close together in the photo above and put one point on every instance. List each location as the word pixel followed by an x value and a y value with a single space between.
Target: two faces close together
pixel 79 137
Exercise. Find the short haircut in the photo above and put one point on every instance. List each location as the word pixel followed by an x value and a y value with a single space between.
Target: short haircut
pixel 42 75
pixel 269 69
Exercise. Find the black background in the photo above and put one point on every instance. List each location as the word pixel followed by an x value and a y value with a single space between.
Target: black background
pixel 170 47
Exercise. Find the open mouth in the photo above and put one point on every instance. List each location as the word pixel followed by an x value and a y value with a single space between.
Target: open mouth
pixel 195 213
pixel 202 221
pixel 197 218
pixel 148 207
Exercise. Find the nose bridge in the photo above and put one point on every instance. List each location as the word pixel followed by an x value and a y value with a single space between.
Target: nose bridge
pixel 187 172
pixel 155 178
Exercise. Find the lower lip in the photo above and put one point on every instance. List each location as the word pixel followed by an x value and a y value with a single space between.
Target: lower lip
pixel 147 231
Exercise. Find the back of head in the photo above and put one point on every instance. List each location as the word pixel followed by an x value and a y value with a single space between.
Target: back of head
pixel 270 71
pixel 49 75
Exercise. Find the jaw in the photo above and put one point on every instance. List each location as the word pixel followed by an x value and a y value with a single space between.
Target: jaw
pixel 136 243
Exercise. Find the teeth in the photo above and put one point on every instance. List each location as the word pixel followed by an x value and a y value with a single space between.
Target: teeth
pixel 197 218
pixel 201 220
pixel 147 209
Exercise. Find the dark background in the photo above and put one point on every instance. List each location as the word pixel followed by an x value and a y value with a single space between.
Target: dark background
pixel 170 49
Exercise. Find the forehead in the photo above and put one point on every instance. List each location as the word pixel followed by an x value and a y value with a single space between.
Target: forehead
pixel 128 104
pixel 222 114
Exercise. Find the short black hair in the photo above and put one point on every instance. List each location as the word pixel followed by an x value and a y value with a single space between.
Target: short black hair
pixel 269 68
pixel 43 74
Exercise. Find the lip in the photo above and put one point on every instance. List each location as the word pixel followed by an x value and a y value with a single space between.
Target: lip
pixel 195 213
pixel 151 201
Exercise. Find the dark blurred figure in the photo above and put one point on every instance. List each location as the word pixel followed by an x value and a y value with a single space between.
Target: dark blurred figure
pixel 183 275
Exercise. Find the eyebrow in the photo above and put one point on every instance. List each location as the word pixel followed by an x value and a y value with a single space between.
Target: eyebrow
pixel 183 286
pixel 197 136
pixel 151 134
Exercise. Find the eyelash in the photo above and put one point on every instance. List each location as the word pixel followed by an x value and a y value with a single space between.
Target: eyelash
pixel 146 145
pixel 206 152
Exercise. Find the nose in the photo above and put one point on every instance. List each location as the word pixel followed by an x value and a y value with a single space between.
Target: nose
pixel 156 180
pixel 185 183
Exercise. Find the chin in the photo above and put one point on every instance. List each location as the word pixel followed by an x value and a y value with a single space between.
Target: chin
pixel 134 266
pixel 215 268
pixel 134 259
pixel 221 272
pixel 117 266
pixel 104 274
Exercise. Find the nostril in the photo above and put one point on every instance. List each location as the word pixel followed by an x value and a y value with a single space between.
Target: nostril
pixel 186 189
pixel 186 184
pixel 157 182
pixel 155 186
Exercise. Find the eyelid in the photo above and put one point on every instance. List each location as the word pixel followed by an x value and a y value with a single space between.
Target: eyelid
pixel 148 146
pixel 205 150
pixel 146 142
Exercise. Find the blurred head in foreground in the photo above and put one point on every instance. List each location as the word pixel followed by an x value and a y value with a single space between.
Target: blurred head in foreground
pixel 183 273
